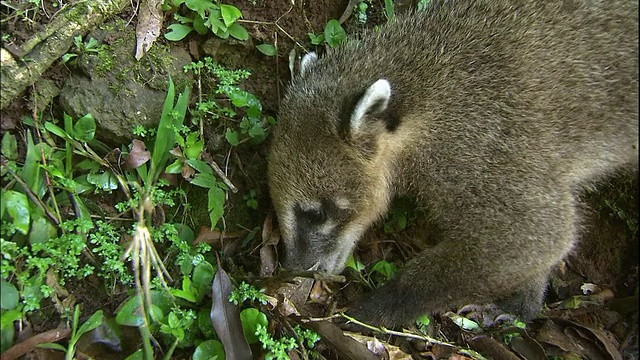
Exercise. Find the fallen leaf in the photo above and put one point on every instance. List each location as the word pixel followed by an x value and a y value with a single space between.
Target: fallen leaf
pixel 346 347
pixel 149 26
pixel 225 317
pixel 138 154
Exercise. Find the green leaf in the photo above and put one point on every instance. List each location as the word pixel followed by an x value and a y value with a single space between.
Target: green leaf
pixel 208 350
pixel 355 265
pixel 53 346
pixel 334 34
pixel 193 150
pixel 201 6
pixel 130 314
pixel 464 323
pixel 238 32
pixel 92 322
pixel 316 39
pixel 105 181
pixel 85 128
pixel 385 268
pixel 138 355
pixel 251 318
pixel 199 25
pixel 229 14
pixel 175 167
pixel 201 166
pixel 423 321
pixel 202 277
pixel 204 180
pixel 178 32
pixel 9 296
pixel 56 130
pixel 171 118
pixel 41 230
pixel 17 204
pixel 389 12
pixel 267 49
pixel 215 204
pixel 8 317
pixel 9 146
pixel 232 137
pixel 31 173
pixel 187 295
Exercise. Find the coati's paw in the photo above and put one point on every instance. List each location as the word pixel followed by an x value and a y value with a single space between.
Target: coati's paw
pixel 487 316
pixel 382 307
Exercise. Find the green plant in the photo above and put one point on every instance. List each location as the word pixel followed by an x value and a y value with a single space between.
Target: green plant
pixel 278 349
pixel 423 4
pixel 204 16
pixel 93 322
pixel 91 46
pixel 333 34
pixel 389 11
pixel 250 199
pixel 227 102
pixel 246 292
pixel 360 12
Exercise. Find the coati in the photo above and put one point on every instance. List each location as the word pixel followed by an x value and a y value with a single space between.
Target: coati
pixel 490 113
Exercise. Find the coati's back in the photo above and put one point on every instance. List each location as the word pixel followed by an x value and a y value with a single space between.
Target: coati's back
pixel 489 112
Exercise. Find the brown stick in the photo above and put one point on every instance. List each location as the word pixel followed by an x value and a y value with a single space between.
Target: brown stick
pixel 28 345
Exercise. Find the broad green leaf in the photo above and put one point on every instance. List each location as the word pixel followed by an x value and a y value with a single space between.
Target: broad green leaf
pixel 256 131
pixel 209 350
pixel 267 49
pixel 7 318
pixel 175 167
pixel 105 181
pixel 9 146
pixel 199 25
pixel 41 230
pixel 92 322
pixel 204 180
pixel 17 205
pixel 385 268
pixel 130 314
pixel 355 265
pixel 201 6
pixel 187 295
pixel 464 323
pixel 215 204
pixel 229 14
pixel 423 321
pixel 232 137
pixel 9 296
pixel 201 166
pixel 6 338
pixel 178 32
pixel 193 150
pixel 202 277
pixel 334 34
pixel 238 32
pixel 85 128
pixel 251 318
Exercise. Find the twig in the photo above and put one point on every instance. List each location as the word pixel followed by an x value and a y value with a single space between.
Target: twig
pixel 222 176
pixel 28 345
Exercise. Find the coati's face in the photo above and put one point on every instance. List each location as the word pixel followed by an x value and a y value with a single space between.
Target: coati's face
pixel 328 171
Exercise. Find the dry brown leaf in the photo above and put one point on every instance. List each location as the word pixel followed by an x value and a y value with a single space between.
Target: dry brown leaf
pixel 225 317
pixel 138 154
pixel 346 347
pixel 149 25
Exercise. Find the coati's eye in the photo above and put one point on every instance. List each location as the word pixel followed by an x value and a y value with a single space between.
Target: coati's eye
pixel 314 216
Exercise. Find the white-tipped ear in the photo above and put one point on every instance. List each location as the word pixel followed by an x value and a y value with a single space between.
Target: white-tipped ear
pixel 374 101
pixel 307 62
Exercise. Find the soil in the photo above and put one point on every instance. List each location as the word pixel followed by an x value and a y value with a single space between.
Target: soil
pixel 607 254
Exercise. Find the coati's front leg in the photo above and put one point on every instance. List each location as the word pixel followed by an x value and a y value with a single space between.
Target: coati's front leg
pixel 505 259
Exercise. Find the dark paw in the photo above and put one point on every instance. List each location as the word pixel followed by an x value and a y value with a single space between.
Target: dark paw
pixel 487 316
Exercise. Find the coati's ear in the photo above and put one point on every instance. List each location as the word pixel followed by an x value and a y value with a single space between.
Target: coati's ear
pixel 374 101
pixel 307 62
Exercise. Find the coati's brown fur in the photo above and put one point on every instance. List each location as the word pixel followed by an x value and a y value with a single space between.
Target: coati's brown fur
pixel 492 114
